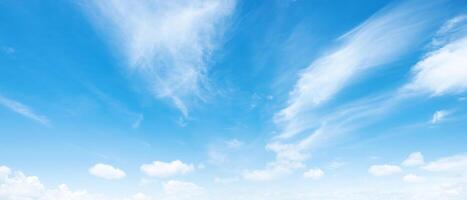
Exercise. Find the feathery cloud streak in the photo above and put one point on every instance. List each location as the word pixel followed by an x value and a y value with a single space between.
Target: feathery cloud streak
pixel 167 42
pixel 444 69
pixel 379 40
pixel 23 110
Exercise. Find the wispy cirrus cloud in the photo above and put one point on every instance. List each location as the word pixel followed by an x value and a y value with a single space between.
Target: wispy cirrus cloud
pixel 439 116
pixel 23 110
pixel 381 39
pixel 168 43
pixel 450 163
pixel 443 70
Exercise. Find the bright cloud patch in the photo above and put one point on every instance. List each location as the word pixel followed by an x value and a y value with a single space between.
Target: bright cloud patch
pixel 386 35
pixel 384 170
pixel 4 171
pixel 314 174
pixel 166 169
pixel 168 42
pixel 438 116
pixel 444 70
pixel 452 163
pixel 107 172
pixel 414 159
pixel 18 186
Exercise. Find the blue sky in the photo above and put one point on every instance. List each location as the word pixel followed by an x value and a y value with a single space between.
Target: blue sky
pixel 230 99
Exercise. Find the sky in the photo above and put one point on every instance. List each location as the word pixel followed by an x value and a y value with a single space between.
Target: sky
pixel 233 100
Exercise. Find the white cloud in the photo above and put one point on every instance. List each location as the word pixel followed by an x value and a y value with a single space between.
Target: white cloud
pixel 23 110
pixel 167 42
pixel 384 170
pixel 18 186
pixel 454 190
pixel 414 159
pixel 412 178
pixel 166 169
pixel 438 116
pixel 314 174
pixel 107 172
pixel 4 172
pixel 444 69
pixel 182 190
pixel 452 163
pixel 387 35
pixel 289 157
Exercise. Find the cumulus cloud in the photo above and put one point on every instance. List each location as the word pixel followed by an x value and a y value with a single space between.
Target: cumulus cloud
pixel 4 172
pixel 412 178
pixel 19 186
pixel 384 170
pixel 289 157
pixel 451 163
pixel 23 110
pixel 314 174
pixel 166 169
pixel 438 116
pixel 168 43
pixel 414 159
pixel 107 172
pixel 444 70
pixel 182 190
